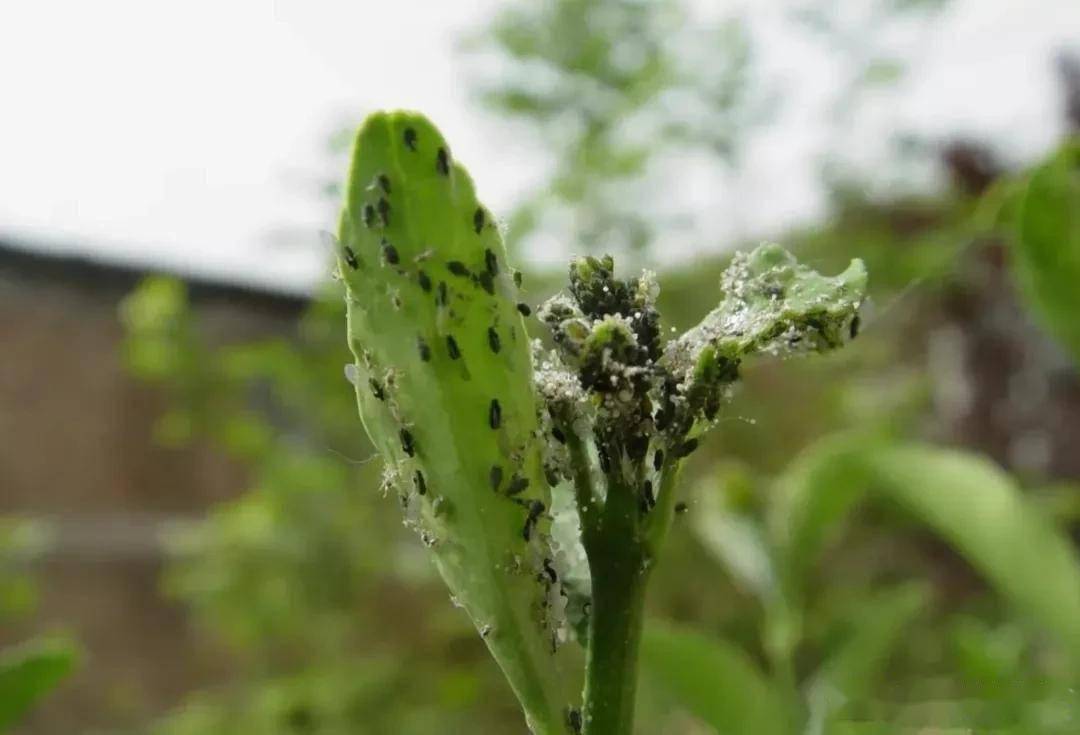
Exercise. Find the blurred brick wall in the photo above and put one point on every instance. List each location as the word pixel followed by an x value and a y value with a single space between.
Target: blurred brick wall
pixel 76 451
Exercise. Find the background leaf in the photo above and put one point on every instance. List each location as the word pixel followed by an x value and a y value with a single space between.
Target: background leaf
pixel 1047 254
pixel 29 671
pixel 965 499
pixel 855 667
pixel 714 680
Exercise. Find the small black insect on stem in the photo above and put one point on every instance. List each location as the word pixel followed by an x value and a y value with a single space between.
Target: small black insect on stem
pixel 408 445
pixel 390 253
pixel 518 485
pixel 536 508
pixel 376 389
pixel 350 257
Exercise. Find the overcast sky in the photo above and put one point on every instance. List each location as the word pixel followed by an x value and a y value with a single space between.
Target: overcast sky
pixel 193 134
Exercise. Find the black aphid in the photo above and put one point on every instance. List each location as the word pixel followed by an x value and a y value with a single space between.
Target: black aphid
pixel 517 278
pixel 518 485
pixel 637 446
pixel 524 308
pixel 478 220
pixel 491 262
pixel 376 389
pixel 407 444
pixel 658 459
pixel 573 719
pixel 424 281
pixel 409 136
pixel 495 476
pixel 390 253
pixel 350 257
pixel 680 507
pixel 662 420
pixel 605 460
pixel 384 211
pixel 440 296
pixel 493 340
pixel 420 482
pixel 648 500
pixel 559 435
pixel 384 183
pixel 369 216
pixel 853 331
pixel 442 162
pixel 452 347
pixel 457 268
pixel 535 509
pixel 495 414
pixel 551 476
pixel 549 571
pixel 423 348
pixel 686 448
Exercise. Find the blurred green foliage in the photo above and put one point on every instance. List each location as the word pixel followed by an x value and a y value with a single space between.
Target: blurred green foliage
pixel 945 598
pixel 30 670
pixel 611 88
pixel 827 647
pixel 1047 256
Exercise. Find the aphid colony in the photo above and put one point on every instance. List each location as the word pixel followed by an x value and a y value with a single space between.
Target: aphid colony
pixel 449 294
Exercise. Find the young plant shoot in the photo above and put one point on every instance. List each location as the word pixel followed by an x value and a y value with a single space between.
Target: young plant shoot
pixel 543 482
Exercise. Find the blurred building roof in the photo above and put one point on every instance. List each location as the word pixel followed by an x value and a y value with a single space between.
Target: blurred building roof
pixel 31 262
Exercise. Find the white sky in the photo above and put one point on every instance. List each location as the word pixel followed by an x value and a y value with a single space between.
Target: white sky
pixel 193 134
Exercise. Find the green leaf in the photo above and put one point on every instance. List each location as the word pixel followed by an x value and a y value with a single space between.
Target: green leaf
pixel 966 499
pixel 714 681
pixel 816 491
pixel 773 305
pixel 851 672
pixel 28 672
pixel 443 379
pixel 1047 255
pixel 737 542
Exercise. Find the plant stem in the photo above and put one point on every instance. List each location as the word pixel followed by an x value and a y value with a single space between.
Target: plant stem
pixel 619 565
